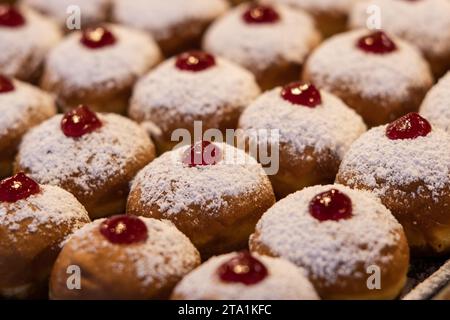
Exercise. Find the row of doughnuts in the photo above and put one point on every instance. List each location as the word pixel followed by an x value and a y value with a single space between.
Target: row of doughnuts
pixel 216 204
pixel 214 194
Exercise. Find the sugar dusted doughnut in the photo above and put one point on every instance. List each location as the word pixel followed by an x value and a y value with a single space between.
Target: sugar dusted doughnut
pixel 177 25
pixel 407 164
pixel 424 23
pixel 99 67
pixel 315 130
pixel 213 193
pixel 338 235
pixel 260 39
pixel 380 76
pixel 257 278
pixel 22 106
pixel 330 15
pixel 124 257
pixel 194 86
pixel 436 107
pixel 34 222
pixel 94 156
pixel 26 37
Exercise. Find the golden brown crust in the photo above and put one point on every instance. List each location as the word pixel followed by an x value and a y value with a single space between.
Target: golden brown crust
pixel 182 37
pixel 376 111
pixel 26 260
pixel 426 222
pixel 101 278
pixel 393 274
pixel 330 23
pixel 299 171
pixel 224 231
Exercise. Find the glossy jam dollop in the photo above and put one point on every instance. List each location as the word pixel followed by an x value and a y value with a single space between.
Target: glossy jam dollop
pixel 260 14
pixel 195 61
pixel 410 126
pixel 202 153
pixel 243 268
pixel 80 121
pixel 10 17
pixel 377 42
pixel 98 37
pixel 17 188
pixel 6 85
pixel 124 229
pixel 331 205
pixel 302 93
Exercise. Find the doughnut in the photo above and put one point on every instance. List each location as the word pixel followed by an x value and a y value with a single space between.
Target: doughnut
pixel 177 25
pixel 26 37
pixel 423 23
pixel 212 192
pixel 315 130
pixel 92 11
pixel 34 222
pixel 241 276
pixel 194 86
pixel 341 237
pixel 407 164
pixel 379 76
pixel 331 16
pixel 93 156
pixel 22 106
pixel 98 67
pixel 258 38
pixel 436 106
pixel 124 258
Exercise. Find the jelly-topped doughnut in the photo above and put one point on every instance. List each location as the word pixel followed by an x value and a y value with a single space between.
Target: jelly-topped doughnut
pixel 124 258
pixel 380 76
pixel 214 193
pixel 26 37
pixel 94 156
pixel 315 129
pixel 407 164
pixel 177 25
pixel 194 86
pixel 92 11
pixel 34 222
pixel 424 23
pixel 22 106
pixel 242 276
pixel 436 107
pixel 330 15
pixel 341 237
pixel 259 38
pixel 99 66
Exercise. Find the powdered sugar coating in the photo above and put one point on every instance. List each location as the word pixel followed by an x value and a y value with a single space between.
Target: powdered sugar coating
pixel 399 162
pixel 74 67
pixel 257 47
pixel 158 17
pixel 19 107
pixel 175 187
pixel 338 62
pixel 166 253
pixel 24 48
pixel 318 6
pixel 329 126
pixel 185 94
pixel 285 281
pixel 330 249
pixel 424 23
pixel 46 210
pixel 91 10
pixel 89 161
pixel 436 106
